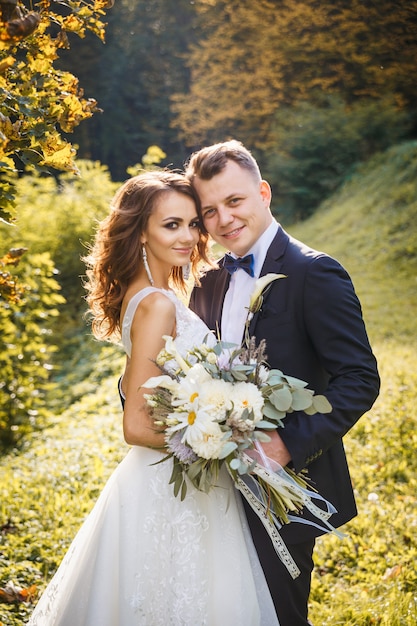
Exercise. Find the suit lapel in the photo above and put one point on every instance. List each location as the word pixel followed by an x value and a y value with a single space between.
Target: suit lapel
pixel 220 286
pixel 273 263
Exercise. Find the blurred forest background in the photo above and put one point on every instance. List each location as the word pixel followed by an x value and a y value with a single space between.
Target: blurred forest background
pixel 311 87
pixel 91 91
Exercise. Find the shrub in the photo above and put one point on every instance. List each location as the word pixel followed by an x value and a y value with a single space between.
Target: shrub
pixel 26 348
pixel 315 149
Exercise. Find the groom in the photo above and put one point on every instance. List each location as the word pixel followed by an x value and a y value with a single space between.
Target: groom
pixel 313 327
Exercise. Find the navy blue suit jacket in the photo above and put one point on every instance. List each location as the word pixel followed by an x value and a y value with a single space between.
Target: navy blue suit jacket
pixel 313 327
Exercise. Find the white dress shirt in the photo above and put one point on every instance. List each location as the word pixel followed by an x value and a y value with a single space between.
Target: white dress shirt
pixel 236 301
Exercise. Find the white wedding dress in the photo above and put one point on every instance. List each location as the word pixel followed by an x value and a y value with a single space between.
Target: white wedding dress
pixel 144 558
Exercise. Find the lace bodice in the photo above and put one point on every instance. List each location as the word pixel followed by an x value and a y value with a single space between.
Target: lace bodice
pixel 191 330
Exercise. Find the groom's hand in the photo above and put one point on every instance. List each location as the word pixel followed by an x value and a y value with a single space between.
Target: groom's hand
pixel 276 449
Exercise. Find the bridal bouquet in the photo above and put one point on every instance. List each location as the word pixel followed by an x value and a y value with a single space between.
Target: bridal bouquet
pixel 216 405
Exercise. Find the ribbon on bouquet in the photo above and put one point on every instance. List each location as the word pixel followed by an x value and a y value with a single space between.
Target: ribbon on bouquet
pixel 274 475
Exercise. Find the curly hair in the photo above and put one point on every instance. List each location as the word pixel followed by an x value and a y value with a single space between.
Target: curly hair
pixel 116 253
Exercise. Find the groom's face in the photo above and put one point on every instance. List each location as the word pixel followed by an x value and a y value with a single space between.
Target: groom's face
pixel 235 207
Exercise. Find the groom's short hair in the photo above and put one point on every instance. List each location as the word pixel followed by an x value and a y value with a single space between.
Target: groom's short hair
pixel 210 161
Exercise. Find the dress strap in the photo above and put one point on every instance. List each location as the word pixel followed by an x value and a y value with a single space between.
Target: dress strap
pixel 132 305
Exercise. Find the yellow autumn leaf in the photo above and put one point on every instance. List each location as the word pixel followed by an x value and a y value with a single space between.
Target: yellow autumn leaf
pixel 6 63
pixel 40 65
pixel 74 106
pixel 58 154
pixel 74 25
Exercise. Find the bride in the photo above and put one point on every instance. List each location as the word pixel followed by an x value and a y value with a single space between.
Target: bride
pixel 143 557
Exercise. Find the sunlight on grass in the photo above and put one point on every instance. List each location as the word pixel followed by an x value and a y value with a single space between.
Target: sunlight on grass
pixel 370 577
pixel 367 578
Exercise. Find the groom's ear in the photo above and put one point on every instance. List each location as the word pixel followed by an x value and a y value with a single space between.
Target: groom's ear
pixel 266 193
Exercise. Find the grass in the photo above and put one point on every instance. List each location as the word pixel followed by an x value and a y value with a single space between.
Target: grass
pixel 367 578
pixel 371 227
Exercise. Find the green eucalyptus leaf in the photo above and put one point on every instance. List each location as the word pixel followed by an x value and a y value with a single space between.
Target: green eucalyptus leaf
pixel 212 369
pixel 272 412
pixel 227 449
pixel 275 377
pixel 177 485
pixel 321 404
pixel 204 483
pixel 261 436
pixel 295 382
pixel 247 414
pixel 266 425
pixel 311 410
pixel 237 375
pixel 242 368
pixel 301 399
pixel 242 469
pixel 234 464
pixel 194 469
pixel 281 399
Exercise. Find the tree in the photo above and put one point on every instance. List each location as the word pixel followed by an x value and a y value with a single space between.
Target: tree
pixel 316 148
pixel 133 76
pixel 37 101
pixel 253 58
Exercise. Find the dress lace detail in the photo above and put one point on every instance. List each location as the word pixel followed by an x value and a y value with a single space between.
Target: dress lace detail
pixel 146 558
pixel 189 325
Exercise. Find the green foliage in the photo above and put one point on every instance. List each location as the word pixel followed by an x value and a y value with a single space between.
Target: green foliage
pixel 371 573
pixel 26 348
pixel 9 289
pixel 313 148
pixel 58 216
pixel 39 102
pixel 370 226
pixel 369 577
pixel 133 77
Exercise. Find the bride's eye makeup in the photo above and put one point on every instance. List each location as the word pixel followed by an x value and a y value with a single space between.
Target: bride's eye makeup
pixel 171 225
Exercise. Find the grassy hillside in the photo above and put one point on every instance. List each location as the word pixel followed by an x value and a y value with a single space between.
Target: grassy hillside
pixel 367 578
pixel 371 227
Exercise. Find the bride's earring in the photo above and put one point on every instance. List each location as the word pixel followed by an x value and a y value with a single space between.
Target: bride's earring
pixel 146 265
pixel 186 270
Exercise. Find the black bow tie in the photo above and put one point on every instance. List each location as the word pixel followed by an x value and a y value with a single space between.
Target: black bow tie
pixel 245 263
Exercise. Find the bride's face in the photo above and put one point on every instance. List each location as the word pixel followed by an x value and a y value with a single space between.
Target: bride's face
pixel 172 231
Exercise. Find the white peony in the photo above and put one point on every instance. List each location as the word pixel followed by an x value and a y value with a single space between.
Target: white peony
pixel 207 440
pixel 215 396
pixel 246 396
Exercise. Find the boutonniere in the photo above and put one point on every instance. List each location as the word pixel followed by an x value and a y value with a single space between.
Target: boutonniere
pixel 257 296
